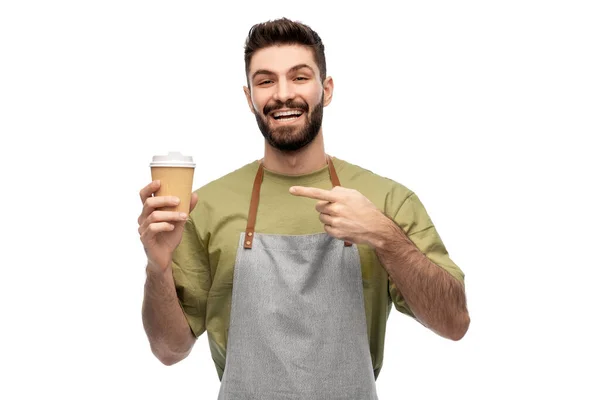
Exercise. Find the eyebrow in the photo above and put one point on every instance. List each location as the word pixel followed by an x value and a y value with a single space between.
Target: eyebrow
pixel 294 68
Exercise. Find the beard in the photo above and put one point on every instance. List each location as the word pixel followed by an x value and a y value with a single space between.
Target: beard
pixel 291 138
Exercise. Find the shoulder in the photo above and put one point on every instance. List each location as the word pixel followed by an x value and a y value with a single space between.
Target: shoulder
pixel 238 180
pixel 377 187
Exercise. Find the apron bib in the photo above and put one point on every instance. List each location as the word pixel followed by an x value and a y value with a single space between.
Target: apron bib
pixel 297 327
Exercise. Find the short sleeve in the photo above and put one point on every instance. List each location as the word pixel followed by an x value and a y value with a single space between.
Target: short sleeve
pixel 412 217
pixel 191 272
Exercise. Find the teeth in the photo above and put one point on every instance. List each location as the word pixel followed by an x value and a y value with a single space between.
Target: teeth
pixel 286 113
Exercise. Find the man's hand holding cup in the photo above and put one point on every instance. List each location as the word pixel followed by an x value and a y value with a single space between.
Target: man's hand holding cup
pixel 167 202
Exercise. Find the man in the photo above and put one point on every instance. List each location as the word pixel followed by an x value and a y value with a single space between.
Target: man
pixel 291 263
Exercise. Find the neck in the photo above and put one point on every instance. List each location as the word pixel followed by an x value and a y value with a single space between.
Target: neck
pixel 304 161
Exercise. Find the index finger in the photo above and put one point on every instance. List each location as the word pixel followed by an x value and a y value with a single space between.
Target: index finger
pixel 148 190
pixel 313 193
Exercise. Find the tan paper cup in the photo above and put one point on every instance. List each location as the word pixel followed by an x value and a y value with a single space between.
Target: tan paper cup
pixel 176 175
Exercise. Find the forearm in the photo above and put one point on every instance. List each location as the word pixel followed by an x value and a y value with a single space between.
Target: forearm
pixel 167 329
pixel 435 297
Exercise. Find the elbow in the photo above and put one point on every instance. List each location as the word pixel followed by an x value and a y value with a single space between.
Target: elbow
pixel 167 357
pixel 460 327
pixel 169 360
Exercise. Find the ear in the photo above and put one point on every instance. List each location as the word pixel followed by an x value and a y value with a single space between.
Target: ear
pixel 327 91
pixel 249 99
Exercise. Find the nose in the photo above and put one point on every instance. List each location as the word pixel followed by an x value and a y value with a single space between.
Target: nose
pixel 284 92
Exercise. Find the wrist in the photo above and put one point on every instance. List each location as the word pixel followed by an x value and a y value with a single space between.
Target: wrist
pixel 382 230
pixel 158 270
pixel 387 234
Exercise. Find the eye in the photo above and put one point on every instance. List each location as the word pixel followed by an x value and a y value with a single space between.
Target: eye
pixel 265 82
pixel 301 78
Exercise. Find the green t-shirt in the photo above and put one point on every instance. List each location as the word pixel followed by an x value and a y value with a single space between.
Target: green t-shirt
pixel 203 263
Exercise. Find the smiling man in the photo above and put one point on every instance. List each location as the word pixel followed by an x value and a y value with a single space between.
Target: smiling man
pixel 281 94
pixel 291 263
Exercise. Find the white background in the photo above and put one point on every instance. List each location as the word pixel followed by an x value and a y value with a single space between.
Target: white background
pixel 487 110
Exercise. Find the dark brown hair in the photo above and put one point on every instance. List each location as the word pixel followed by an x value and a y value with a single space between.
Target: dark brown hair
pixel 284 31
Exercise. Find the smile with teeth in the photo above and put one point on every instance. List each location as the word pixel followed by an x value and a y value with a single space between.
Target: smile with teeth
pixel 287 115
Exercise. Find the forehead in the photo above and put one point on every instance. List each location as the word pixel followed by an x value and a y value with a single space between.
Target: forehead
pixel 281 58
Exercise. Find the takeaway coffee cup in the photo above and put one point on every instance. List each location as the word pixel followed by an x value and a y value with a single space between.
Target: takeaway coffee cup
pixel 176 174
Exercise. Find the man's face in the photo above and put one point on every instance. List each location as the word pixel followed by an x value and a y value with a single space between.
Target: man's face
pixel 287 96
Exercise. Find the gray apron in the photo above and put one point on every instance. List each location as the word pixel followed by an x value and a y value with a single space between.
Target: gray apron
pixel 297 327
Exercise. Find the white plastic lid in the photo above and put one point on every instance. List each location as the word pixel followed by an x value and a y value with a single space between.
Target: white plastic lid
pixel 173 159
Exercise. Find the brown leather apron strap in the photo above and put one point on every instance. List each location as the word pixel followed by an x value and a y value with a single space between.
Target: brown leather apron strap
pixel 335 181
pixel 251 226
pixel 253 207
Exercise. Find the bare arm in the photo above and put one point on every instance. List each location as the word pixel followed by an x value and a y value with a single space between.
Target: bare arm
pixel 436 298
pixel 166 326
pixel 170 336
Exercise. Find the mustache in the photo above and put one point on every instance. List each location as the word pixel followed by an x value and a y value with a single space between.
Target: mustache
pixel 288 104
